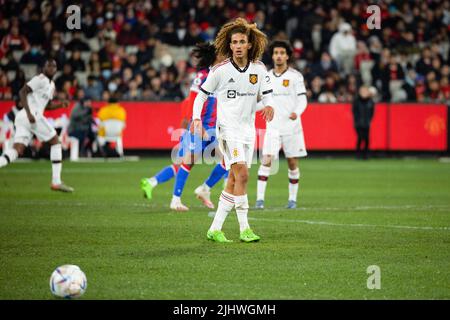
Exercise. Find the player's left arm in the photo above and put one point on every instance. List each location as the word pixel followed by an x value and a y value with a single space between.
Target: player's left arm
pixel 265 92
pixel 52 105
pixel 60 103
pixel 300 92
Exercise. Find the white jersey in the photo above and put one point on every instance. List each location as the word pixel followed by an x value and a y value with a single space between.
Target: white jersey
pixel 287 87
pixel 43 91
pixel 237 91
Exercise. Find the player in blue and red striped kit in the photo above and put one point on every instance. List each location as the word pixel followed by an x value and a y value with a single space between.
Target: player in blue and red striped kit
pixel 192 146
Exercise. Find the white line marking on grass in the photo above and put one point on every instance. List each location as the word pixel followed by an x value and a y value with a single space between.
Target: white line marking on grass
pixel 211 213
pixel 359 208
pixel 272 209
pixel 358 225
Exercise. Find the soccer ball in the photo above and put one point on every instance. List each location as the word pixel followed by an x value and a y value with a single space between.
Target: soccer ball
pixel 68 281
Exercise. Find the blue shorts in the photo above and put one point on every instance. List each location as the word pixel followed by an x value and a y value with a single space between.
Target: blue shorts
pixel 190 143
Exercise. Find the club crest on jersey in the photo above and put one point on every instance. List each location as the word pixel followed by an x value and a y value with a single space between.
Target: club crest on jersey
pixel 253 78
pixel 285 82
pixel 235 153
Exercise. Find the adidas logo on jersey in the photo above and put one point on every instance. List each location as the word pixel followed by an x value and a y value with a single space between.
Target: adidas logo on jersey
pixel 231 80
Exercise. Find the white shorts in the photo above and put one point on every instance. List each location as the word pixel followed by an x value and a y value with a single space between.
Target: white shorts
pixel 234 152
pixel 293 145
pixel 25 130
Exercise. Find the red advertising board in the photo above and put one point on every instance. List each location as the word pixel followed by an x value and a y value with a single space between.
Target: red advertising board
pixel 418 127
pixel 150 125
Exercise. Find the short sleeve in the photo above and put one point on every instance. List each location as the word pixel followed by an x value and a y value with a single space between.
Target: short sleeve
pixel 211 83
pixel 300 85
pixel 35 83
pixel 266 85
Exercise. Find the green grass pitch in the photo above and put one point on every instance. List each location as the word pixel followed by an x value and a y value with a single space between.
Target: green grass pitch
pixel 352 214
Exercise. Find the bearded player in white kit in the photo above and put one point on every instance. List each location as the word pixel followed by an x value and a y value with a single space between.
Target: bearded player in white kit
pixel 35 97
pixel 285 130
pixel 238 82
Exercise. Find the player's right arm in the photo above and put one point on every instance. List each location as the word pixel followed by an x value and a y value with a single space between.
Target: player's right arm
pixel 23 93
pixel 28 88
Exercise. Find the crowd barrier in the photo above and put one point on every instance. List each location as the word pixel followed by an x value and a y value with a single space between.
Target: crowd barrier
pixel 395 127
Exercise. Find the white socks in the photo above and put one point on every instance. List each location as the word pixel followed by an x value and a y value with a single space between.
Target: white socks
pixel 153 182
pixel 241 203
pixel 56 158
pixel 263 175
pixel 293 175
pixel 226 203
pixel 206 187
pixel 8 156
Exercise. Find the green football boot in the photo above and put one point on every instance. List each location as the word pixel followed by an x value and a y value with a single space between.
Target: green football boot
pixel 217 236
pixel 147 188
pixel 249 236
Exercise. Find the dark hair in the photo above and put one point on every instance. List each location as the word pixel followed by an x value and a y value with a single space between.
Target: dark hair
pixel 281 44
pixel 50 60
pixel 206 53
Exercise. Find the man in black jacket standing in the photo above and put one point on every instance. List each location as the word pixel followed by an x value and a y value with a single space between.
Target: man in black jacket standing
pixel 363 108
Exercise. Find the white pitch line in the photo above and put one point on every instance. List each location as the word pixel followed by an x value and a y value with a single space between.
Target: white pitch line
pixel 358 225
pixel 360 208
pixel 312 222
pixel 273 209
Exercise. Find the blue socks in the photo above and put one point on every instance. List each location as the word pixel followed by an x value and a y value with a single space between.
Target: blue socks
pixel 180 180
pixel 218 172
pixel 166 173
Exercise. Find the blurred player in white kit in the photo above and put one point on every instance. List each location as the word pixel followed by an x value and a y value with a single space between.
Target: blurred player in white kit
pixel 285 130
pixel 35 98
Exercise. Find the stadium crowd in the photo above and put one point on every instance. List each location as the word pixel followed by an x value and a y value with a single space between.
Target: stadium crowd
pixel 140 50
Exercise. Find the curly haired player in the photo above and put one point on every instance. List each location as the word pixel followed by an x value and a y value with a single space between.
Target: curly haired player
pixel 238 83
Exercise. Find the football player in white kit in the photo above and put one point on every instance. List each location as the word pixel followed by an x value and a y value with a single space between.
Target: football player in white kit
pixel 285 130
pixel 237 82
pixel 35 97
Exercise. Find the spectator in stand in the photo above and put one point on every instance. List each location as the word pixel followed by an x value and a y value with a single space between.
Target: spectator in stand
pixel 77 43
pixel 362 54
pixel 94 65
pixel 343 48
pixel 80 125
pixel 445 90
pixel 420 88
pixel 13 41
pixel 316 89
pixel 69 89
pixel 424 63
pixel 33 56
pixel 5 88
pixel 127 36
pixel 445 72
pixel 329 89
pixel 392 77
pixel 66 76
pixel 410 84
pixel 93 89
pixel 134 92
pixel 76 62
pixel 325 66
